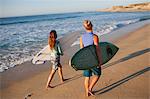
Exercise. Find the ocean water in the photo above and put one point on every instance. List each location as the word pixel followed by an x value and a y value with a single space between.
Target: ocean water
pixel 22 37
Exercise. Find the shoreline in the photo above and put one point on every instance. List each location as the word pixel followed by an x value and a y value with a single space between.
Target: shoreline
pixel 27 78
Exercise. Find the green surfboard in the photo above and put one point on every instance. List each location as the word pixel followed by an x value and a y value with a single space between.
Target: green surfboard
pixel 86 57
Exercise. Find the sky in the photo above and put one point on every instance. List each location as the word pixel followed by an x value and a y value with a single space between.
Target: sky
pixel 9 8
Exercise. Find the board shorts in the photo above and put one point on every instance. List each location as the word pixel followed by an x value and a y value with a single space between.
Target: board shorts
pixel 55 62
pixel 93 71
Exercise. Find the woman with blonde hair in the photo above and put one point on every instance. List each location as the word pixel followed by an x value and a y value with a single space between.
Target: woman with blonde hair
pixel 89 38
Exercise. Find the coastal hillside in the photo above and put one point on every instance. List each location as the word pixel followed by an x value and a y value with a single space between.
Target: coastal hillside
pixel 129 8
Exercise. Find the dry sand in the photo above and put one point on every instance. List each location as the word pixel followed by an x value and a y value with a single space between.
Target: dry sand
pixel 126 76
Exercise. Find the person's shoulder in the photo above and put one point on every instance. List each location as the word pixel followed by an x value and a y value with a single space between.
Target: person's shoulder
pixel 57 42
pixel 82 35
pixel 95 36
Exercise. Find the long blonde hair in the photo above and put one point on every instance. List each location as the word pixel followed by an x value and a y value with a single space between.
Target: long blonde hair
pixel 52 39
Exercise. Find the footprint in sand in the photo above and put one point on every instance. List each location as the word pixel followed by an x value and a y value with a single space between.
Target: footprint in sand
pixel 28 96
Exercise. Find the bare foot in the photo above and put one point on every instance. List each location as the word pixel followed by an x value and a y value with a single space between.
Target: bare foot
pixel 49 86
pixel 62 81
pixel 89 93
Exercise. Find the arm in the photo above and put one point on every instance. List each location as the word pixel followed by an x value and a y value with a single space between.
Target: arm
pixel 98 52
pixel 81 44
pixel 59 48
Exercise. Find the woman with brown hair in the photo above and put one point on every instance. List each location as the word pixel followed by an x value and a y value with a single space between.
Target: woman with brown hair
pixel 55 52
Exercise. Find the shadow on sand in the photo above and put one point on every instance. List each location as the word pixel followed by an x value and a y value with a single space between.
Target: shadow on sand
pixel 114 85
pixel 135 54
pixel 130 56
pixel 70 79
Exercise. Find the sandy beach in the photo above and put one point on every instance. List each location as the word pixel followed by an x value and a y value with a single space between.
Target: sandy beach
pixel 126 76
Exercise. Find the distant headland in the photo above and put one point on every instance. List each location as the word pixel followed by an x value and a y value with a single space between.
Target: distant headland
pixel 140 7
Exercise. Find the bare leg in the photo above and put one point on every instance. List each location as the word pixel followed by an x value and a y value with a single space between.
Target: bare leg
pixel 50 78
pixel 60 73
pixel 93 82
pixel 86 85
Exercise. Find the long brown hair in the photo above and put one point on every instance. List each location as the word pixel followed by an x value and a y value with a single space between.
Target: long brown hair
pixel 52 38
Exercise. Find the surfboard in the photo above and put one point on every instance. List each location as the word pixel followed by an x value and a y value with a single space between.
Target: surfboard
pixel 44 55
pixel 86 57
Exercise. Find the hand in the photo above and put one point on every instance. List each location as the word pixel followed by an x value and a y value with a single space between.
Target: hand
pixel 99 67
